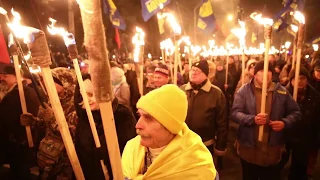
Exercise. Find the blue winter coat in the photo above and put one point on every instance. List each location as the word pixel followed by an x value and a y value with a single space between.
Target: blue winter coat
pixel 243 112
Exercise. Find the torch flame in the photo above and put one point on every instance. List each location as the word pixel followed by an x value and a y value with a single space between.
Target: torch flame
pixel 315 47
pixel 264 21
pixel 15 26
pixel 3 11
pixel 54 30
pixel 173 23
pixel 185 39
pixel 138 41
pixel 299 17
pixel 240 33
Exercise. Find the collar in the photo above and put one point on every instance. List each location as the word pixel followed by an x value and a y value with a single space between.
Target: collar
pixel 205 87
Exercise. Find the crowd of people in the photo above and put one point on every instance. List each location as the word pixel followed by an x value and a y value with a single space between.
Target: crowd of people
pixel 170 131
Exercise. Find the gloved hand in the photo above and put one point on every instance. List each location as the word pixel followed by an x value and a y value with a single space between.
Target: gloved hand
pixel 47 113
pixel 27 119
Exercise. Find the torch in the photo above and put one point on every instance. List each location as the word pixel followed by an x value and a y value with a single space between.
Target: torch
pixel 38 46
pixel 14 53
pixel 300 17
pixel 177 31
pixel 70 42
pixel 138 41
pixel 241 34
pixel 287 46
pixel 267 35
pixel 294 54
pixel 315 49
pixel 228 45
pixel 95 42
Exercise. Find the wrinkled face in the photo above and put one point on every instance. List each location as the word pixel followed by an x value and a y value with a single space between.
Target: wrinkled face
pixel 259 77
pixel 317 74
pixel 152 133
pixel 302 82
pixel 196 76
pixel 91 98
pixel 9 79
pixel 160 80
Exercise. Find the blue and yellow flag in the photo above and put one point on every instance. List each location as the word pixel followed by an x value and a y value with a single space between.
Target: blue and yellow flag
pixel 114 14
pixel 152 7
pixel 281 19
pixel 206 20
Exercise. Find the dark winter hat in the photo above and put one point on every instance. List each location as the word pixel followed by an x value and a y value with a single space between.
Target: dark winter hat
pixel 303 72
pixel 162 70
pixel 316 66
pixel 260 65
pixel 203 65
pixel 9 70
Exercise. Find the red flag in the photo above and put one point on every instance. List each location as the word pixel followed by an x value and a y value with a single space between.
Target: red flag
pixel 117 38
pixel 4 55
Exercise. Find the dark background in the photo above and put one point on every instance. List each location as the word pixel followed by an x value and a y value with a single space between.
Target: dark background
pixel 36 13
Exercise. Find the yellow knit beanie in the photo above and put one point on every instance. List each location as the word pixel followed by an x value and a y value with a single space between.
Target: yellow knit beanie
pixel 168 105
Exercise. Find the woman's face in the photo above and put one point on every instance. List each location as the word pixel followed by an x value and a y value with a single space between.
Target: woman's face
pixel 91 98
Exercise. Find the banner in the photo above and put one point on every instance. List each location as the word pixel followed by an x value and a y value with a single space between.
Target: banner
pixel 4 55
pixel 152 7
pixel 206 20
pixel 111 10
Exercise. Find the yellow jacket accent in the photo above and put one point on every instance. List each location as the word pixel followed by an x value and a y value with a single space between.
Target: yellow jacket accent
pixel 185 157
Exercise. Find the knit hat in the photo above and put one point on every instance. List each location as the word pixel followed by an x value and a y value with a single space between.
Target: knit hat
pixel 303 72
pixel 9 70
pixel 260 65
pixel 162 70
pixel 203 65
pixel 251 62
pixel 158 103
pixel 117 74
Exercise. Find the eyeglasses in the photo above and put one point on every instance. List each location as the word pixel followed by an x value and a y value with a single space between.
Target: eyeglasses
pixel 195 71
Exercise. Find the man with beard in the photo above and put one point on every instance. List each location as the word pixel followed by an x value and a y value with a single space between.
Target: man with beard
pixel 13 139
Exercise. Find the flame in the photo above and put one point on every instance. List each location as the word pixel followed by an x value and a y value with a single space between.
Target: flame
pixel 299 17
pixel 264 21
pixel 315 47
pixel 185 39
pixel 54 30
pixel 138 41
pixel 173 23
pixel 3 11
pixel 240 33
pixel 18 29
pixel 287 45
pixel 294 28
pixel 211 43
pixel 168 46
pixel 149 56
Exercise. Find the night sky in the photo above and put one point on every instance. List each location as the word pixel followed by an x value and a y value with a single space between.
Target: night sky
pixel 36 12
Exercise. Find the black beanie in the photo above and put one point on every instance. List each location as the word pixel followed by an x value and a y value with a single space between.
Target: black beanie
pixel 260 65
pixel 203 65
pixel 303 72
pixel 9 70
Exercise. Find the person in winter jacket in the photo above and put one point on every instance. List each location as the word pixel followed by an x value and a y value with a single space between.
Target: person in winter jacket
pixel 302 138
pixel 165 147
pixel 207 110
pixel 57 166
pixel 220 78
pixel 260 159
pixel 121 88
pixel 249 73
pixel 89 156
pixel 13 140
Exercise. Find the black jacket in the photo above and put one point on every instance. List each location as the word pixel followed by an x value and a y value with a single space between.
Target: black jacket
pixel 89 155
pixel 306 131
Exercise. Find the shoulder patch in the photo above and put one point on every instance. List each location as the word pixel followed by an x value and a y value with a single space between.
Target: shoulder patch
pixel 282 92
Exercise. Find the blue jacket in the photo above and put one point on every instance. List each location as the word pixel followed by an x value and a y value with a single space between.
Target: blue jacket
pixel 243 112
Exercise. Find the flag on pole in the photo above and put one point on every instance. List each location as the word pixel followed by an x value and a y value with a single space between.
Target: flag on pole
pixel 117 38
pixel 152 7
pixel 111 10
pixel 206 20
pixel 161 22
pixel 4 55
pixel 253 37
